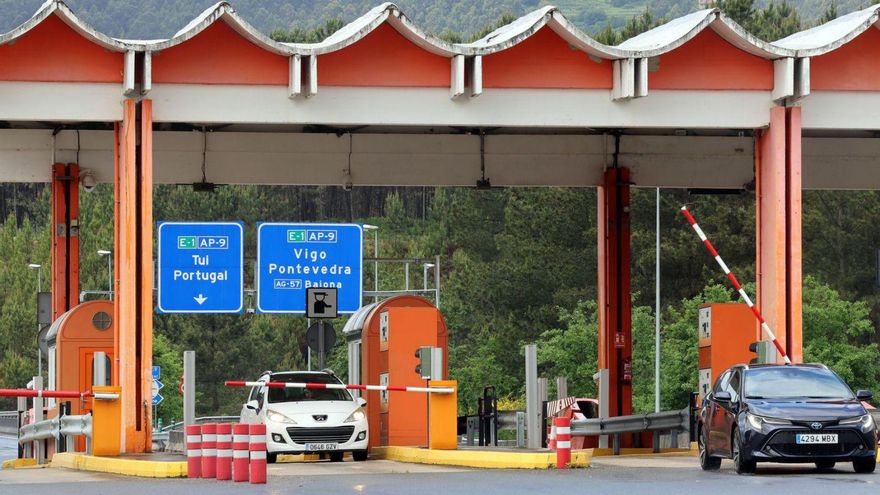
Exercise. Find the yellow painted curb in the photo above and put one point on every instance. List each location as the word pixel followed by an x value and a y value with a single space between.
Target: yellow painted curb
pixel 603 452
pixel 129 467
pixel 18 463
pixel 479 458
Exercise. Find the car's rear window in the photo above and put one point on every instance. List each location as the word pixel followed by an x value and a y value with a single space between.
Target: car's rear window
pixel 787 382
pixel 303 394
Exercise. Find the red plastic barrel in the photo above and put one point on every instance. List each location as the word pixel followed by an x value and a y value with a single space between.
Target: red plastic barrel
pixel 257 447
pixel 209 450
pixel 224 451
pixel 240 452
pixel 193 451
pixel 563 442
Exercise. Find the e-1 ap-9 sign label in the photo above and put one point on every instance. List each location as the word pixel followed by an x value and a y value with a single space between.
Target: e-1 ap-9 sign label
pixel 200 267
pixel 292 257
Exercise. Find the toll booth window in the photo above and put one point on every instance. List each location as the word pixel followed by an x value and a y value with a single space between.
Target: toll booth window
pixel 306 394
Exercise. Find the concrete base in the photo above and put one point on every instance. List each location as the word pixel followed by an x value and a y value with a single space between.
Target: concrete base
pixel 116 465
pixel 489 459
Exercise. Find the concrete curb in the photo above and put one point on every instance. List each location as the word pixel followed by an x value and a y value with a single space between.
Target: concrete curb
pixel 478 458
pixel 128 467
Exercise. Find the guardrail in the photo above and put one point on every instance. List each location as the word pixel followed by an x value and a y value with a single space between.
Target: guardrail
pixel 671 421
pixel 55 428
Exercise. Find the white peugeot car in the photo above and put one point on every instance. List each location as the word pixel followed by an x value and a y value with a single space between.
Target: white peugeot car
pixel 308 420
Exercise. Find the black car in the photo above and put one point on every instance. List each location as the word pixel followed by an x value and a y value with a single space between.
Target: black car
pixel 785 413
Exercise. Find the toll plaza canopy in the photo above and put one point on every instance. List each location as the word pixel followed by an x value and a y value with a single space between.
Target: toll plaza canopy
pixel 697 102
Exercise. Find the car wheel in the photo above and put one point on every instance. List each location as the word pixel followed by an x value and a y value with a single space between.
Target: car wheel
pixel 707 462
pixel 865 466
pixel 825 465
pixel 741 465
pixel 336 456
pixel 359 455
pixel 271 458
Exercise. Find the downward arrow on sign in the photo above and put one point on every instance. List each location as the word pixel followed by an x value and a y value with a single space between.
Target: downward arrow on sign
pixel 201 299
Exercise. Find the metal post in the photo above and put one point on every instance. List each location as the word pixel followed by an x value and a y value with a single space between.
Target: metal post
pixel 406 275
pixel 376 263
pixel 39 352
pixel 321 345
pixel 99 369
pixel 657 313
pixel 110 277
pixel 425 274
pixel 520 429
pixel 437 281
pixel 189 387
pixel 604 390
pixel 561 387
pixel 533 404
pixel 39 454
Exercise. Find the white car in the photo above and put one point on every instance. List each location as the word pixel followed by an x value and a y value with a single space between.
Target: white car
pixel 306 420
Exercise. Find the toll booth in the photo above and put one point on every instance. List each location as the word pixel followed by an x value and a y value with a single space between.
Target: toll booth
pixel 383 340
pixel 725 331
pixel 72 340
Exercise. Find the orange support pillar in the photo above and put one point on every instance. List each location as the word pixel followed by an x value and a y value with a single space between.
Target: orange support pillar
pixel 615 303
pixel 778 210
pixel 65 238
pixel 134 268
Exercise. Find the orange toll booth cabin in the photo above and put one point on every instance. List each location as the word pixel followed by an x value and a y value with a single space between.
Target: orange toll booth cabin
pixel 383 339
pixel 725 330
pixel 73 339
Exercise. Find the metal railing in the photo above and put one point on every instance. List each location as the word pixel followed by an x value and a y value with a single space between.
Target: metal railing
pixel 9 421
pixel 671 421
pixel 55 428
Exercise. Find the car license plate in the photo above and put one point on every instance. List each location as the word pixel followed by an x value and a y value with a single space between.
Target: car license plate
pixel 815 438
pixel 320 447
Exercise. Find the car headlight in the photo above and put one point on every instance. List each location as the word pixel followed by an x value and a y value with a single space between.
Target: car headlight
pixel 277 417
pixel 758 422
pixel 357 415
pixel 866 422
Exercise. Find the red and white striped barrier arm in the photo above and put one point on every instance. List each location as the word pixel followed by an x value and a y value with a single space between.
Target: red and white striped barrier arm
pixel 736 285
pixel 47 394
pixel 340 386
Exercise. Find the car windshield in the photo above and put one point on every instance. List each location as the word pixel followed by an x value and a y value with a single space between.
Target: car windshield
pixel 787 382
pixel 303 394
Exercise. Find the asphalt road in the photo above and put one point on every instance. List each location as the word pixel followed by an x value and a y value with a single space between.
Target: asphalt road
pixel 629 476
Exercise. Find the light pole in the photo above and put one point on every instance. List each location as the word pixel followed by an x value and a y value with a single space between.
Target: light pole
pixel 104 252
pixel 657 313
pixel 375 229
pixel 425 267
pixel 39 269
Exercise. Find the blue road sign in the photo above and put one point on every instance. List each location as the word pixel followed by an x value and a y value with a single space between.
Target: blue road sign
pixel 292 257
pixel 157 397
pixel 157 372
pixel 201 267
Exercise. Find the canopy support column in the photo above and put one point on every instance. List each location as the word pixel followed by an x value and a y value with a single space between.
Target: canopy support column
pixel 134 272
pixel 778 236
pixel 615 304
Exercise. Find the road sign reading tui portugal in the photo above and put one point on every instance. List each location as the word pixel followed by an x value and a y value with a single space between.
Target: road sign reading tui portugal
pixel 200 267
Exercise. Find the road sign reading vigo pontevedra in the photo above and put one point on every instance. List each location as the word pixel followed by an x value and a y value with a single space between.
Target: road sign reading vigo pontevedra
pixel 292 257
pixel 200 267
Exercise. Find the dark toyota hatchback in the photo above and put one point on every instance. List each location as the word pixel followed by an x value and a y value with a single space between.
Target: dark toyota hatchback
pixel 779 413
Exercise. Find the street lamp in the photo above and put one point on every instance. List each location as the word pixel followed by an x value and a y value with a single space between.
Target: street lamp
pixel 39 269
pixel 104 252
pixel 425 267
pixel 375 229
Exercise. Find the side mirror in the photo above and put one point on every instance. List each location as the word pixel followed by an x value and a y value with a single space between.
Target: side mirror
pixel 362 402
pixel 864 395
pixel 252 405
pixel 722 396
